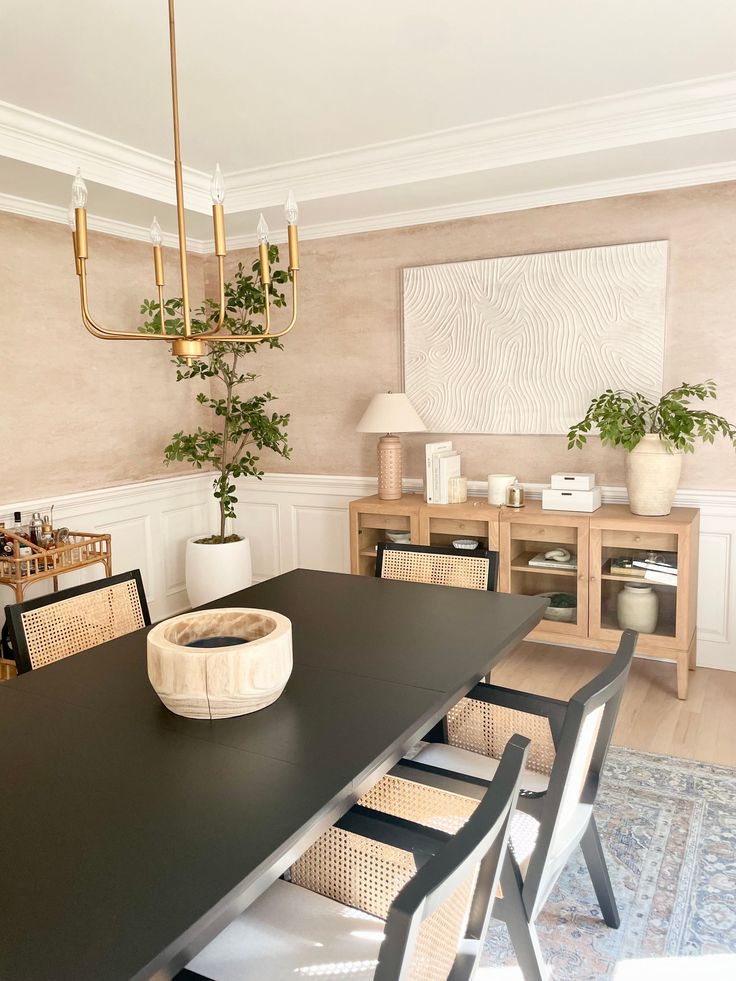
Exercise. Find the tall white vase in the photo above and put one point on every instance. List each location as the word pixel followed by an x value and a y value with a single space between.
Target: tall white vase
pixel 213 571
pixel 652 476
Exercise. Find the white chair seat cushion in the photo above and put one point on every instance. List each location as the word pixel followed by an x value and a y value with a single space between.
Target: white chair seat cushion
pixel 474 765
pixel 292 933
pixel 524 828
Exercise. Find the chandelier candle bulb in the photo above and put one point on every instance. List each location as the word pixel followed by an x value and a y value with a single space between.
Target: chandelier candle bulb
pixel 217 186
pixel 79 190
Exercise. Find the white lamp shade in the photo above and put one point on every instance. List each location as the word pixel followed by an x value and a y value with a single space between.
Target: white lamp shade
pixel 390 412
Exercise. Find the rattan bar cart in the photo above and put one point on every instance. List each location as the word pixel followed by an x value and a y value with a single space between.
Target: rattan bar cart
pixel 79 550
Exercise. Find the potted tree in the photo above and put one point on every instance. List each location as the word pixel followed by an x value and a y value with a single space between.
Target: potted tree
pixel 656 434
pixel 219 563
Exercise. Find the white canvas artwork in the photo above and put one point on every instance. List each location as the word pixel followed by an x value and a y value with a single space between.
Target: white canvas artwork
pixel 521 344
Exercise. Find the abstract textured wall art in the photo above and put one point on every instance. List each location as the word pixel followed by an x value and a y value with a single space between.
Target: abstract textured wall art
pixel 521 344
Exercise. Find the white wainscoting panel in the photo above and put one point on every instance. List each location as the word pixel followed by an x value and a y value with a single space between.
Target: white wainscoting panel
pixel 296 520
pixel 319 537
pixel 149 522
pixel 260 521
pixel 717 588
pixel 177 525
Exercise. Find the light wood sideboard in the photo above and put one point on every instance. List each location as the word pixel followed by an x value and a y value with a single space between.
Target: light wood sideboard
pixel 595 539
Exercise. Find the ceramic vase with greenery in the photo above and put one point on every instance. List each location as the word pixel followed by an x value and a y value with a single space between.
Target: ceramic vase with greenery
pixel 656 435
pixel 242 425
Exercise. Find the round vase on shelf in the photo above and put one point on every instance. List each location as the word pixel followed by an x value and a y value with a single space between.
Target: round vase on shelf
pixel 213 571
pixel 638 608
pixel 652 475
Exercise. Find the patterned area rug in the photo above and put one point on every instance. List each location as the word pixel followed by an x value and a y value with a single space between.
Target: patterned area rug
pixel 669 831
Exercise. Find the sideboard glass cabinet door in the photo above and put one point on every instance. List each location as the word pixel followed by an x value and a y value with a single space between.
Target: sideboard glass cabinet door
pixel 659 602
pixel 530 540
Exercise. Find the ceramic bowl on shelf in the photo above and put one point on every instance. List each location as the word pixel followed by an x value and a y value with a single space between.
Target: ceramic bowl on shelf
pixel 566 613
pixel 399 537
pixel 466 544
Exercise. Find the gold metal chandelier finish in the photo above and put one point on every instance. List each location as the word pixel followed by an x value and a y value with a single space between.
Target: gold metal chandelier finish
pixel 189 345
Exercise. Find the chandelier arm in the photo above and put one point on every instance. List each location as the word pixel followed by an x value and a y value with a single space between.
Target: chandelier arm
pixel 97 329
pixel 161 308
pixel 251 338
pixel 223 306
pixel 267 307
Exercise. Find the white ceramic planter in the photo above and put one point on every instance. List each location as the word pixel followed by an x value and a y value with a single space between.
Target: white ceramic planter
pixel 652 476
pixel 213 571
pixel 243 668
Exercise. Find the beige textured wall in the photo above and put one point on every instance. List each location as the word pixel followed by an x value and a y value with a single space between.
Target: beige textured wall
pixel 77 413
pixel 347 345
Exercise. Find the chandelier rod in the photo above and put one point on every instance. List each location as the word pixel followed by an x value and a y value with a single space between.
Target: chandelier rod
pixel 178 178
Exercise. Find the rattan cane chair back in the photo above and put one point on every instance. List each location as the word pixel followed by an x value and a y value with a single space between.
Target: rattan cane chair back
pixel 53 627
pixel 437 565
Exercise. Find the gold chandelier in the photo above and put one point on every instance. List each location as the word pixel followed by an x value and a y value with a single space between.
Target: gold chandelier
pixel 187 345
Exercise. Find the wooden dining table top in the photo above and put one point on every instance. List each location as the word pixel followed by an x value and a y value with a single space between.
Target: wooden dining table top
pixel 130 837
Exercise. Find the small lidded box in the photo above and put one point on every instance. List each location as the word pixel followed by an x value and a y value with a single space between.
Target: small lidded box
pixel 573 481
pixel 571 500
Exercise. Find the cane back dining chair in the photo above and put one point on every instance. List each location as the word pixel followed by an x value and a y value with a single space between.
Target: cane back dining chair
pixel 438 565
pixel 569 745
pixel 48 628
pixel 378 897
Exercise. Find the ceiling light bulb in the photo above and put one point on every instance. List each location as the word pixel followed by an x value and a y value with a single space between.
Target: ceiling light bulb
pixel 291 209
pixel 71 217
pixel 217 186
pixel 262 231
pixel 156 235
pixel 79 190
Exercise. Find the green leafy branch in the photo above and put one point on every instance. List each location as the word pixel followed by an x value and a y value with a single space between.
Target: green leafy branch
pixel 622 418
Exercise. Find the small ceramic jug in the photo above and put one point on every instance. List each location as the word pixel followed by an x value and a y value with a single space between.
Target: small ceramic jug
pixel 638 607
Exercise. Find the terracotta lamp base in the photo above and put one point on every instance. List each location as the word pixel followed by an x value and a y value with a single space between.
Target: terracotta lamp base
pixel 389 468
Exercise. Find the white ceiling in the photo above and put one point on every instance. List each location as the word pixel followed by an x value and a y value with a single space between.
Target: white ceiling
pixel 371 110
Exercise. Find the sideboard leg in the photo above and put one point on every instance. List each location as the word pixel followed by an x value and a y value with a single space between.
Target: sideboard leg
pixel 693 652
pixel 682 673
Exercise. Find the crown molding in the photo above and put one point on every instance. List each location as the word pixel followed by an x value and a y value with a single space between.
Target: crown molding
pixel 682 109
pixel 54 145
pixel 108 226
pixel 523 201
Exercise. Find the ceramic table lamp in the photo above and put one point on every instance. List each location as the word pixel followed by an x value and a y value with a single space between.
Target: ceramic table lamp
pixel 390 413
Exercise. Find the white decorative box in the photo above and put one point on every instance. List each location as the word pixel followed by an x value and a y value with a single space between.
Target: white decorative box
pixel 554 499
pixel 573 481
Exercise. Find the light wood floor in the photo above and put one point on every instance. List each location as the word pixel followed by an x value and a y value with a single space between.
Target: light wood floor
pixel 652 718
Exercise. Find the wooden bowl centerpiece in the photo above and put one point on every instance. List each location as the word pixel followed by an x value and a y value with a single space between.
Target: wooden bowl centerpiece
pixel 214 664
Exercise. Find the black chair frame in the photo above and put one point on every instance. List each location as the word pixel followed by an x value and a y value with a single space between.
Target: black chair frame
pixel 14 612
pixel 566 720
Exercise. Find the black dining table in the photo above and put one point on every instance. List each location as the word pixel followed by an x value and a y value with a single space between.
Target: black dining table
pixel 130 837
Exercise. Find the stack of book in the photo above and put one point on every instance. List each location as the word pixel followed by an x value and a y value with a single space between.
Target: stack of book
pixel 661 569
pixel 442 463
